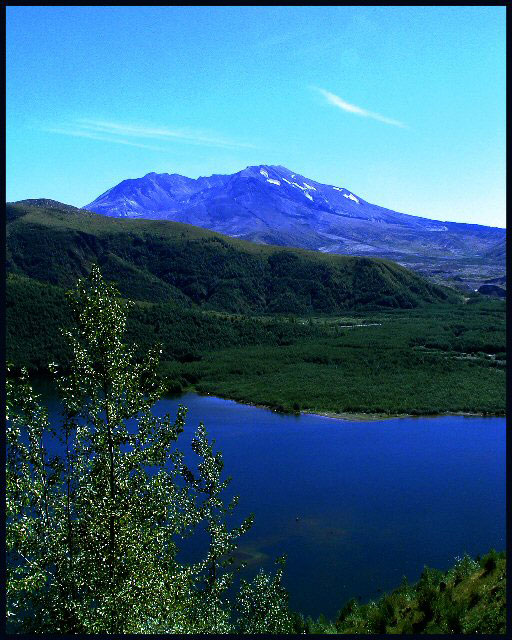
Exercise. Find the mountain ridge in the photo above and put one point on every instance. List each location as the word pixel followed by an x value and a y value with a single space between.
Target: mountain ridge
pixel 166 260
pixel 250 170
pixel 270 204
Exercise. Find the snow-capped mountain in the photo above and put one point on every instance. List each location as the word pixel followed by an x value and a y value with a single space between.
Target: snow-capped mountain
pixel 273 205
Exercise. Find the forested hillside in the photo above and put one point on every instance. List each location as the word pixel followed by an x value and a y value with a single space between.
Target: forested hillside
pixel 164 261
pixel 36 311
pixel 258 323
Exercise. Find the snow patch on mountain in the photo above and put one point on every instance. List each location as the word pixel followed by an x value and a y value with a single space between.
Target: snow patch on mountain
pixel 264 173
pixel 274 182
pixel 352 197
pixel 308 196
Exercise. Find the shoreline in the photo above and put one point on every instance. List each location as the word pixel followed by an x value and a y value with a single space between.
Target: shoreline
pixel 371 417
pixel 346 416
pixel 350 417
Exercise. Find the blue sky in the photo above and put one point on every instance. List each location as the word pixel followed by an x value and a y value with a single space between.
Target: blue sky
pixel 405 106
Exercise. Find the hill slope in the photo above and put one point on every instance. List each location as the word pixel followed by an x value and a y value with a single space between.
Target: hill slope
pixel 166 261
pixel 470 598
pixel 272 205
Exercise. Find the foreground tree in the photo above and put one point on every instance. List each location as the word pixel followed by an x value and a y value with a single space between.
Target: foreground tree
pixel 92 533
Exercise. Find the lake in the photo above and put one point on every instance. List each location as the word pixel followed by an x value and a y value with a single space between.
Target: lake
pixel 354 505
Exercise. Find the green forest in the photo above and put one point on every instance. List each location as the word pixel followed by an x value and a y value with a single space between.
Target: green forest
pixel 164 261
pixel 432 359
pixel 260 324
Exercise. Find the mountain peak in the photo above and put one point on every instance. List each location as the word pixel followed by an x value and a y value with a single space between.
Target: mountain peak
pixel 271 204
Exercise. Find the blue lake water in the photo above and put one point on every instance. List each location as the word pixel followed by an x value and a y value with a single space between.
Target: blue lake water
pixel 354 505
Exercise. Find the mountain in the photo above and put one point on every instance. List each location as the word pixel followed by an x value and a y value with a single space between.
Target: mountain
pixel 166 261
pixel 273 205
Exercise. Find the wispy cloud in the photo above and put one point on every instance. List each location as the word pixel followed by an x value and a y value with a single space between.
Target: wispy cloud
pixel 86 134
pixel 130 134
pixel 359 111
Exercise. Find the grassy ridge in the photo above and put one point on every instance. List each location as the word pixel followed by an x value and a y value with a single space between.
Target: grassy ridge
pixel 167 261
pixel 469 598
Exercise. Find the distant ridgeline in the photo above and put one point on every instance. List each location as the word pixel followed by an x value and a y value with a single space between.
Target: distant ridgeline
pixel 164 261
pixel 186 269
pixel 272 205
